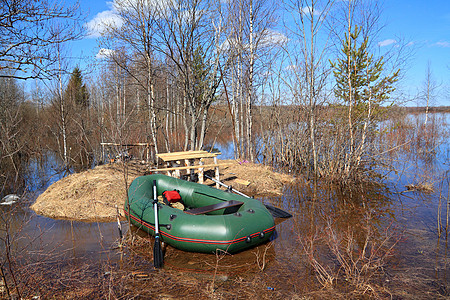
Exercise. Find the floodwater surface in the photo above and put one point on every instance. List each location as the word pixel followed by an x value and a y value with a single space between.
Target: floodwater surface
pixel 389 240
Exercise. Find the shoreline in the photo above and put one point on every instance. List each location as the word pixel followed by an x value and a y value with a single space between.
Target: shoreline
pixel 95 195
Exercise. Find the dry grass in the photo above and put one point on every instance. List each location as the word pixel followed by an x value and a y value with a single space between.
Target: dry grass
pixel 87 196
pixel 424 187
pixel 93 195
pixel 263 180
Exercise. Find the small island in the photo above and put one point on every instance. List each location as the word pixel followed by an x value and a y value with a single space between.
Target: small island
pixel 98 194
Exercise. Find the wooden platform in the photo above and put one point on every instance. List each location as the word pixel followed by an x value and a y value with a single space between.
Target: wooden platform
pixel 188 161
pixel 187 155
pixel 191 167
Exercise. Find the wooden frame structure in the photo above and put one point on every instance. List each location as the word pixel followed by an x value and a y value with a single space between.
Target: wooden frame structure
pixel 192 160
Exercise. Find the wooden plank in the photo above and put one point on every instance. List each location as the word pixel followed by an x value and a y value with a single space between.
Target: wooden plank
pixel 190 167
pixel 178 154
pixel 173 157
pixel 242 181
pixel 213 207
pixel 184 152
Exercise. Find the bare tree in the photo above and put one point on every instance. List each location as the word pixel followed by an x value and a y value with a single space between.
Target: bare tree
pixel 68 115
pixel 250 39
pixel 308 63
pixel 11 143
pixel 133 35
pixel 189 36
pixel 28 29
pixel 429 91
pixel 59 125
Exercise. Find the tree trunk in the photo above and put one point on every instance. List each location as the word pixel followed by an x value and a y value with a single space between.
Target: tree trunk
pixel 203 127
pixel 185 122
pixel 312 94
pixel 62 109
pixel 250 89
pixel 151 104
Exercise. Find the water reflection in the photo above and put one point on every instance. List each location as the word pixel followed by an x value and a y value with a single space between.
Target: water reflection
pixel 36 174
pixel 331 226
pixel 36 237
pixel 316 207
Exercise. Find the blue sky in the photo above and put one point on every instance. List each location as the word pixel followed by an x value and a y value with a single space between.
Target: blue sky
pixel 425 24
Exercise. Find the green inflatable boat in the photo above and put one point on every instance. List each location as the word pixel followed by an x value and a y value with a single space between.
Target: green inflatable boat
pixel 211 220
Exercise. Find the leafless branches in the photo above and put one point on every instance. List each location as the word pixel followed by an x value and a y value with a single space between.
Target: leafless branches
pixel 28 32
pixel 354 255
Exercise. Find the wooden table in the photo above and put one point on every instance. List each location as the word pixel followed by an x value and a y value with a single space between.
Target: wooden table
pixel 189 161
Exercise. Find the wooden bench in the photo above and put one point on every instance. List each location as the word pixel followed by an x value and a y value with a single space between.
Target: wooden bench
pixel 172 156
pixel 190 167
pixel 214 207
pixel 189 161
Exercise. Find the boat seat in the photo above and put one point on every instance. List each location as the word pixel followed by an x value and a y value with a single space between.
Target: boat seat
pixel 214 207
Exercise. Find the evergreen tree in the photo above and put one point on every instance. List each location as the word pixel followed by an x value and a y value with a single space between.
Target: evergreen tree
pixel 362 89
pixel 76 91
pixel 359 77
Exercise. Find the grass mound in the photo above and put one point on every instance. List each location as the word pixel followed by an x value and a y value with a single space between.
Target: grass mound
pixel 93 195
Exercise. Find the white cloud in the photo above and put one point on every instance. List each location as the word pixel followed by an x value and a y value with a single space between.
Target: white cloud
pixel 292 68
pixel 266 39
pixel 443 44
pixel 104 53
pixel 272 37
pixel 101 21
pixel 98 25
pixel 307 10
pixel 387 42
pixel 226 45
pixel 145 6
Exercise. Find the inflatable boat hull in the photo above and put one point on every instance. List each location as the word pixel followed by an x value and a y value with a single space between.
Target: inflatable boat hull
pixel 232 229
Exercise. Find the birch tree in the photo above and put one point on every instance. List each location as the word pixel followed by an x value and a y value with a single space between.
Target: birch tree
pixel 132 34
pixel 428 91
pixel 307 57
pixel 60 106
pixel 251 38
pixel 189 33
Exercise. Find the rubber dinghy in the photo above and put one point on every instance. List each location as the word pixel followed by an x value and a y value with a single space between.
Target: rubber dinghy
pixel 212 219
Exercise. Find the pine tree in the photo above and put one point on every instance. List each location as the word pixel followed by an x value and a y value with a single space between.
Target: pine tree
pixel 359 76
pixel 362 89
pixel 76 91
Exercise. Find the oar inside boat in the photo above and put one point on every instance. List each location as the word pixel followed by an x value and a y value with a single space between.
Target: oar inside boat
pixel 275 211
pixel 211 219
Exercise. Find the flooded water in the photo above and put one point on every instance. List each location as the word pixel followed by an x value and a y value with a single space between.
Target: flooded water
pixel 401 232
pixel 39 237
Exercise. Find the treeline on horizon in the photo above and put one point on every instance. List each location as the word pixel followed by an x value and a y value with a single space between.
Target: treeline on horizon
pixel 423 109
pixel 406 108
